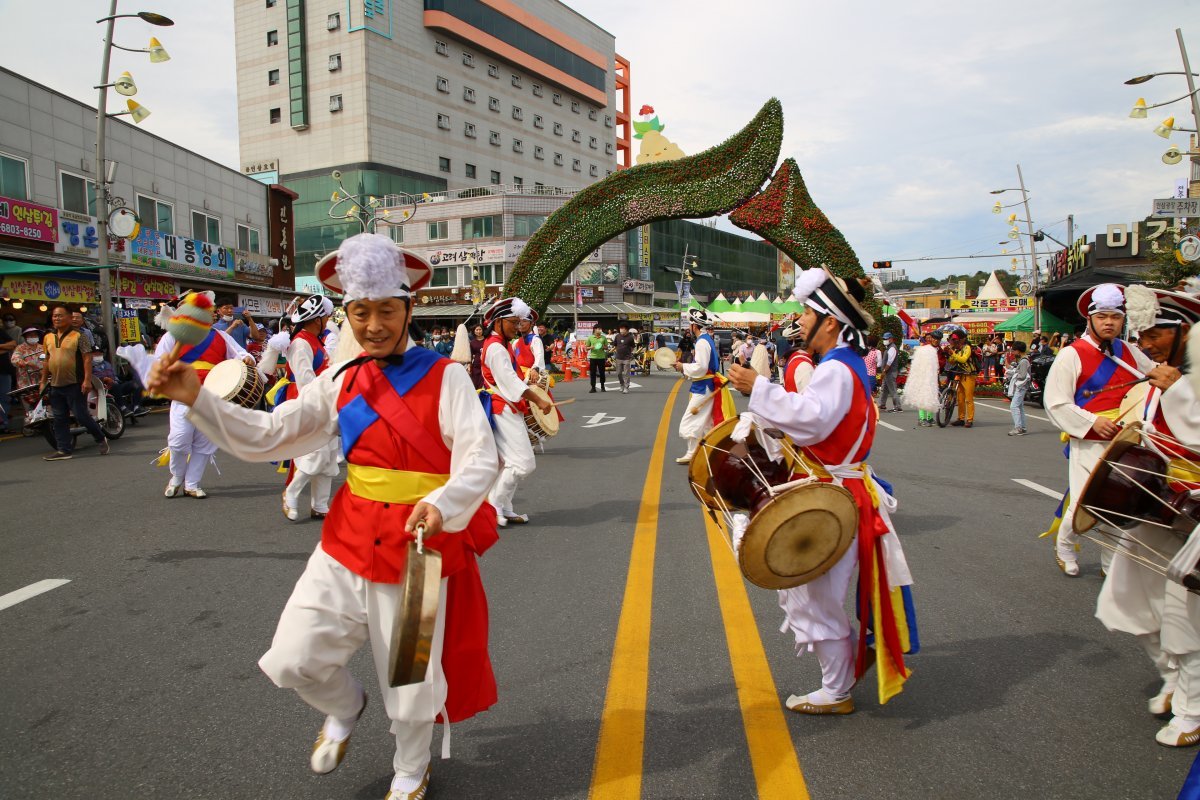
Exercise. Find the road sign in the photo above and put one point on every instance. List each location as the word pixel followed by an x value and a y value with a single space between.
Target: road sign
pixel 1177 207
pixel 1189 248
pixel 1024 288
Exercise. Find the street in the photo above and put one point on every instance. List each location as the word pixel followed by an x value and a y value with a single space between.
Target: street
pixel 138 678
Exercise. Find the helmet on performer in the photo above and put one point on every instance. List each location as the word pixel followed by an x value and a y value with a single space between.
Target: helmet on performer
pixel 313 307
pixel 698 316
pixel 507 308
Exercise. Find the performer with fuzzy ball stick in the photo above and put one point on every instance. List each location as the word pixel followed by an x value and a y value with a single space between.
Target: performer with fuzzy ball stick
pixel 419 454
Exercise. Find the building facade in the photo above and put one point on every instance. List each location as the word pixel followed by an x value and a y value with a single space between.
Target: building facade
pixel 202 225
pixel 725 261
pixel 407 97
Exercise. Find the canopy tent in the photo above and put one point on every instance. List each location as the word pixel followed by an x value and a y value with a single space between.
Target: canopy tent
pixel 992 290
pixel 744 316
pixel 720 304
pixel 758 305
pixel 1023 323
pixel 693 303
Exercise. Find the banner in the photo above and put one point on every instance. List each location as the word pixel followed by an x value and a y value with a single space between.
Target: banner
pixel 638 287
pixel 128 330
pixel 179 254
pixel 262 306
pixel 133 284
pixel 77 236
pixel 22 287
pixel 1005 304
pixel 490 254
pixel 24 220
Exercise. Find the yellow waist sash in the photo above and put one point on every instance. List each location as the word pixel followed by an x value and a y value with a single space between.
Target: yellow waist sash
pixel 1113 414
pixel 391 485
pixel 1181 470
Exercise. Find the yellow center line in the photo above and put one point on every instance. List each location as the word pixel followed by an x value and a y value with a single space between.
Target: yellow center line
pixel 617 773
pixel 772 753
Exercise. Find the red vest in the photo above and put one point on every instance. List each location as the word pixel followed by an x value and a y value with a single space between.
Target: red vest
pixel 523 354
pixel 789 373
pixel 320 362
pixel 851 440
pixel 499 404
pixel 1091 360
pixel 216 352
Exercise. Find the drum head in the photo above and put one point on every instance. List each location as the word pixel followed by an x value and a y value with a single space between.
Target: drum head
pixel 548 422
pixel 798 536
pixel 665 358
pixel 1097 492
pixel 225 379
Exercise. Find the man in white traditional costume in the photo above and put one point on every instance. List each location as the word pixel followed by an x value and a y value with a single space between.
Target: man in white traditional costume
pixel 420 455
pixel 703 373
pixel 921 387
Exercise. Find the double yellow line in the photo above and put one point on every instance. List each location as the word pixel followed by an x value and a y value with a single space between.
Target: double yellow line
pixel 617 774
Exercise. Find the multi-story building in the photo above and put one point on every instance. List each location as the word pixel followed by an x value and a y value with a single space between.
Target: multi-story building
pixel 202 225
pixel 406 97
pixel 724 261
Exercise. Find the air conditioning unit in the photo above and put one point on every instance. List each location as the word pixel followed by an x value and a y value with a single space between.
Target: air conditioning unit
pixel 335 103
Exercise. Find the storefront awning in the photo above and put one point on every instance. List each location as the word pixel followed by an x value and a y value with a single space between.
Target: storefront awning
pixel 10 266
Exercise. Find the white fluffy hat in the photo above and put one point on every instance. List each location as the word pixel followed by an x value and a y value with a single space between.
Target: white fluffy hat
pixel 370 266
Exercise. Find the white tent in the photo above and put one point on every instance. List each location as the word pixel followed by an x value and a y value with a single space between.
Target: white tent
pixel 992 290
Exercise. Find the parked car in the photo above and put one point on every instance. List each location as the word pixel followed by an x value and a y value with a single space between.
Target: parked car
pixel 671 340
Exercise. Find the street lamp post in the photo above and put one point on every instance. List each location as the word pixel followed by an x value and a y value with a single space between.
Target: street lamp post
pixel 685 282
pixel 1165 130
pixel 101 193
pixel 1037 303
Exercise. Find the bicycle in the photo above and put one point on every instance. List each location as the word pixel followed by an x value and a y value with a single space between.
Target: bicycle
pixel 947 397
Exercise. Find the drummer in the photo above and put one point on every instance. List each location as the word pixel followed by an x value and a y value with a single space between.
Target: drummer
pixel 419 451
pixel 702 371
pixel 799 369
pixel 510 396
pixel 307 357
pixel 1102 365
pixel 1134 598
pixel 833 420
pixel 530 353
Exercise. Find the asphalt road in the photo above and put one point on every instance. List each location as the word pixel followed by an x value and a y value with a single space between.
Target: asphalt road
pixel 139 679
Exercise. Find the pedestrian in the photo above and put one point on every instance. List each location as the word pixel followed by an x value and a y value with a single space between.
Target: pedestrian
pixel 79 325
pixel 889 365
pixel 238 323
pixel 419 464
pixel 8 374
pixel 12 328
pixel 623 346
pixel 871 360
pixel 597 345
pixel 121 392
pixel 27 358
pixel 963 360
pixel 1018 384
pixel 68 372
pixel 476 343
pixel 921 388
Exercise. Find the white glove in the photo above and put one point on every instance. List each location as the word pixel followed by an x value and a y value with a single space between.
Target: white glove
pixel 280 342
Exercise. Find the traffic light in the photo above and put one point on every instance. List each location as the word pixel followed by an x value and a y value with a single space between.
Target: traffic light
pixel 881 264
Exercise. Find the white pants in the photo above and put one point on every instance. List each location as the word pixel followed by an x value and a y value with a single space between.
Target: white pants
pixel 512 440
pixel 693 426
pixel 317 469
pixel 332 612
pixel 815 613
pixel 190 449
pixel 1084 454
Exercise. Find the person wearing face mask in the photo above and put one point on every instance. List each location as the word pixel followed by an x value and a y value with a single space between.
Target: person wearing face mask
pixel 239 324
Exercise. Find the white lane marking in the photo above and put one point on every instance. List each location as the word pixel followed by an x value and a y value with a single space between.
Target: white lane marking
pixel 889 426
pixel 1037 487
pixel 32 590
pixel 1006 410
pixel 596 420
pixel 617 385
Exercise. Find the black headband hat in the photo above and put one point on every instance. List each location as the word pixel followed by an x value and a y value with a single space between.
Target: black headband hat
pixel 832 296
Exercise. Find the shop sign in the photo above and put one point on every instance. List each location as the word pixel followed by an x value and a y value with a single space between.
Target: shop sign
pixel 24 220
pixel 1126 241
pixel 638 287
pixel 78 236
pixel 998 305
pixel 261 306
pixel 24 287
pixel 597 274
pixel 127 326
pixel 173 253
pixel 281 244
pixel 137 302
pixel 644 255
pixel 252 264
pixel 131 284
pixel 488 254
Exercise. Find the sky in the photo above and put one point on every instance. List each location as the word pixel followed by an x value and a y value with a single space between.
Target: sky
pixel 902 116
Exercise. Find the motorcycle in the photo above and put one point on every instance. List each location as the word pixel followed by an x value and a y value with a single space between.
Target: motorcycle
pixel 104 411
pixel 1039 370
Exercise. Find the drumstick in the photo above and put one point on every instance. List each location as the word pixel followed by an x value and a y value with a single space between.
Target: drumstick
pixel 703 403
pixel 566 402
pixel 190 324
pixel 1094 392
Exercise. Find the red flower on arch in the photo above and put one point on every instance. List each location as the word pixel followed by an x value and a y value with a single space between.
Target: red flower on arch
pixel 644 110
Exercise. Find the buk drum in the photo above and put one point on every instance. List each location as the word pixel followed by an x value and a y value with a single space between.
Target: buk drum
pixel 538 425
pixel 665 358
pixel 795 528
pixel 236 382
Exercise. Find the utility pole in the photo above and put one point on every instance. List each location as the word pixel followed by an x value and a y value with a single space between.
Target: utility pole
pixel 1037 301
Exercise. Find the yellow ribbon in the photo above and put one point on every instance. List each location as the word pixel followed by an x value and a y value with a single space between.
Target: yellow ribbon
pixel 1180 470
pixel 392 485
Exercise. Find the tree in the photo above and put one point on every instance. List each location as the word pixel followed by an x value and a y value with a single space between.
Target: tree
pixel 1166 270
pixel 931 282
pixel 899 286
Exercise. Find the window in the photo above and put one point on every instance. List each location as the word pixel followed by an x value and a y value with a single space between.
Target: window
pixel 576 166
pixel 469 130
pixel 494 138
pixel 608 120
pixel 518 146
pixel 592 114
pixel 206 228
pixel 538 122
pixel 396 232
pixel 558 159
pixel 468 94
pixel 539 152
pixel 517 113
pixel 494 104
pixel 441 48
pixel 558 129
pixel 575 137
pixel 495 177
pixel 437 231
pixel 468 60
pixel 556 98
pixel 443 85
pixel 518 180
pixel 525 225
pixel 537 90
pixel 444 121
pixel 470 170
pixel 483 227
pixel 272 38
pixel 443 164
pixel 491 274
pixel 13 181
pixel 593 142
pixel 539 186
pixel 493 71
pixel 575 106
pixel 270 3
pixel 444 276
pixel 335 103
pixel 79 194
pixel 335 62
pixel 516 81
pixel 333 22
pixel 275 116
pixel 608 148
pixel 156 214
pixel 248 238
pixel 272 77
pixel 593 170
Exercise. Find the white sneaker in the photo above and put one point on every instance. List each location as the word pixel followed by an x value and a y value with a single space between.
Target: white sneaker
pixel 173 490
pixel 197 493
pixel 1069 568
pixel 327 752
pixel 290 512
pixel 1160 704
pixel 687 459
pixel 1174 735
pixel 501 521
pixel 400 790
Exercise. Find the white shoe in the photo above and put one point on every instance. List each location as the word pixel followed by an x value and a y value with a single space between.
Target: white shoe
pixel 687 459
pixel 501 521
pixel 1160 704
pixel 1173 735
pixel 412 794
pixel 290 512
pixel 197 493
pixel 515 518
pixel 1069 568
pixel 173 490
pixel 327 752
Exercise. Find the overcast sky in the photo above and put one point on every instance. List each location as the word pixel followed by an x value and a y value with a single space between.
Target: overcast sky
pixel 901 115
